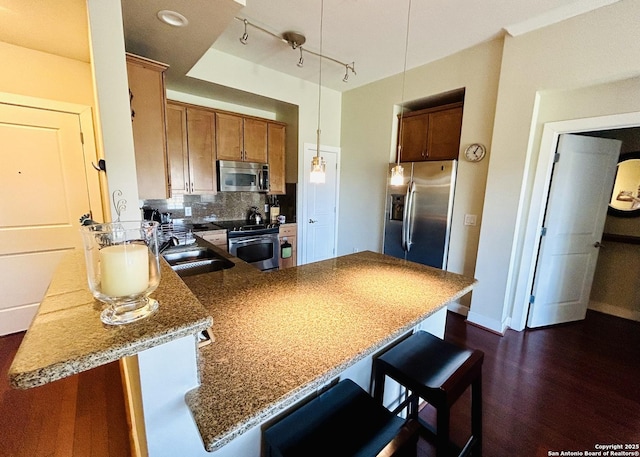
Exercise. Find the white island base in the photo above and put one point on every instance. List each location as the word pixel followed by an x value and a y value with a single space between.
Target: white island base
pixel 169 371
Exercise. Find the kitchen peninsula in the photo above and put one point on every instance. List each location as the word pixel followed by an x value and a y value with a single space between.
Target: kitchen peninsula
pixel 279 337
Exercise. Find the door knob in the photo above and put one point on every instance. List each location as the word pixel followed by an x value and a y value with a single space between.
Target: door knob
pixel 597 244
pixel 311 221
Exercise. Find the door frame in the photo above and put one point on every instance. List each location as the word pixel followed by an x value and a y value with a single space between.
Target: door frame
pixel 309 150
pixel 548 146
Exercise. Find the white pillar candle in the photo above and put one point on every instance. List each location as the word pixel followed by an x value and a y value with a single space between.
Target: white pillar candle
pixel 124 269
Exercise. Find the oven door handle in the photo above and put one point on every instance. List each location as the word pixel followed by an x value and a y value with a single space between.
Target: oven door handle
pixel 250 240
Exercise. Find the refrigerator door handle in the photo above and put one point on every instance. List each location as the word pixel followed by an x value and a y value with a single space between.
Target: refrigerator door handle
pixel 406 217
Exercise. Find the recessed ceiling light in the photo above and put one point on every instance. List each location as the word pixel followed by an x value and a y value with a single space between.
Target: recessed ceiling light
pixel 172 18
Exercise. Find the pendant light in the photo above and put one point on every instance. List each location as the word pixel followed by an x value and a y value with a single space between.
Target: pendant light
pixel 397 172
pixel 318 164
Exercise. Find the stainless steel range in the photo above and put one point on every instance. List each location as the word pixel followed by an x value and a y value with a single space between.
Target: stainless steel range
pixel 256 244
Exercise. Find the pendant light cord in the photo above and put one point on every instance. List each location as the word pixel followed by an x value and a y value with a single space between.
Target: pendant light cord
pixel 404 77
pixel 320 79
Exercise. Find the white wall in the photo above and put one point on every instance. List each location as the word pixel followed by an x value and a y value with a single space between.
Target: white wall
pixel 368 139
pixel 38 74
pixel 593 48
pixel 112 100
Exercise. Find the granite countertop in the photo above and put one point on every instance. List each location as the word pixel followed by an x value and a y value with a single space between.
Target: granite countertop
pixel 281 335
pixel 67 337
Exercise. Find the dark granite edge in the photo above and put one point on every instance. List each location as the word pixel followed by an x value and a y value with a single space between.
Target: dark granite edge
pixel 214 442
pixel 64 368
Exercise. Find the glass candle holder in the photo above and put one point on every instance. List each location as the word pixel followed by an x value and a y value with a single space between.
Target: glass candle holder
pixel 123 268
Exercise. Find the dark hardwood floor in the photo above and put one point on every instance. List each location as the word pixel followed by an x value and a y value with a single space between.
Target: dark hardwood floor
pixel 562 388
pixel 80 416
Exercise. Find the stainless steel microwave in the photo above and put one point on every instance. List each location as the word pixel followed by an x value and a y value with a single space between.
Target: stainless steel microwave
pixel 242 176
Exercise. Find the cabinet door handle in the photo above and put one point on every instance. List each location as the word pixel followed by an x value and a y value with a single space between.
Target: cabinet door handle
pixel 192 187
pixel 186 187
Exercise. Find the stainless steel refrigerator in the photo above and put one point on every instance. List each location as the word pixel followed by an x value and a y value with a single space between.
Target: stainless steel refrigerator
pixel 418 213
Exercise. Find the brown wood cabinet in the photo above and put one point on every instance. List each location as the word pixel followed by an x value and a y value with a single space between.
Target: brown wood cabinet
pixel 241 138
pixel 191 149
pixel 216 237
pixel 431 134
pixel 276 134
pixel 289 231
pixel 148 98
pixel 198 136
pixel 177 151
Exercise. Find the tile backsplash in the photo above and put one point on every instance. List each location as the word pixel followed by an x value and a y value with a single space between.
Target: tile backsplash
pixel 223 206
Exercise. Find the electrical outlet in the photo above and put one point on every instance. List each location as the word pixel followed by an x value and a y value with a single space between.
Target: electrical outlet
pixel 187 211
pixel 470 219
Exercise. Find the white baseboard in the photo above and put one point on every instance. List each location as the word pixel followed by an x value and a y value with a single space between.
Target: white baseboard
pixel 18 319
pixel 487 323
pixel 606 308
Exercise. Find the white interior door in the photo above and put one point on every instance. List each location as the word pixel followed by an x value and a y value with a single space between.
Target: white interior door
pixel 45 190
pixel 576 210
pixel 320 209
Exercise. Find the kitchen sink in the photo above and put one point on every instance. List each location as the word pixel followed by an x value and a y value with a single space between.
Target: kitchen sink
pixel 196 261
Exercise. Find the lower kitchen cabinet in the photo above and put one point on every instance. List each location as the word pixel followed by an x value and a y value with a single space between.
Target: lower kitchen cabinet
pixel 216 237
pixel 288 232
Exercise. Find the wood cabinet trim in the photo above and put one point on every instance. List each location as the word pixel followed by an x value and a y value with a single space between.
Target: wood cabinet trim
pixel 433 109
pixel 232 113
pixel 149 63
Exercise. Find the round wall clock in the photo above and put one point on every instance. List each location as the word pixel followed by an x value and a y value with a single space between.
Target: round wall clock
pixel 475 152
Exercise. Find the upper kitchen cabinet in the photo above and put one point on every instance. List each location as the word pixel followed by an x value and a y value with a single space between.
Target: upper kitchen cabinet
pixel 276 147
pixel 191 149
pixel 241 138
pixel 431 134
pixel 148 117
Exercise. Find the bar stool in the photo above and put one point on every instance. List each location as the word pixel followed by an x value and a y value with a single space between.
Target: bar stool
pixel 344 421
pixel 438 372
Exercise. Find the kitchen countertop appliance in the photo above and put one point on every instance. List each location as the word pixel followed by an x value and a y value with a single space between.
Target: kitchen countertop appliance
pixel 418 213
pixel 257 244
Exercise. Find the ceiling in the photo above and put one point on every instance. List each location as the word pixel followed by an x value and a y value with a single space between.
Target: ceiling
pixel 58 27
pixel 371 33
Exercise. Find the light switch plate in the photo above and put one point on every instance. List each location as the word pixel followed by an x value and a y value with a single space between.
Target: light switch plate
pixel 187 211
pixel 470 219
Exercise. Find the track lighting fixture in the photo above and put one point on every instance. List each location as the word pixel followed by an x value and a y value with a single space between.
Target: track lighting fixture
pixel 245 35
pixel 296 40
